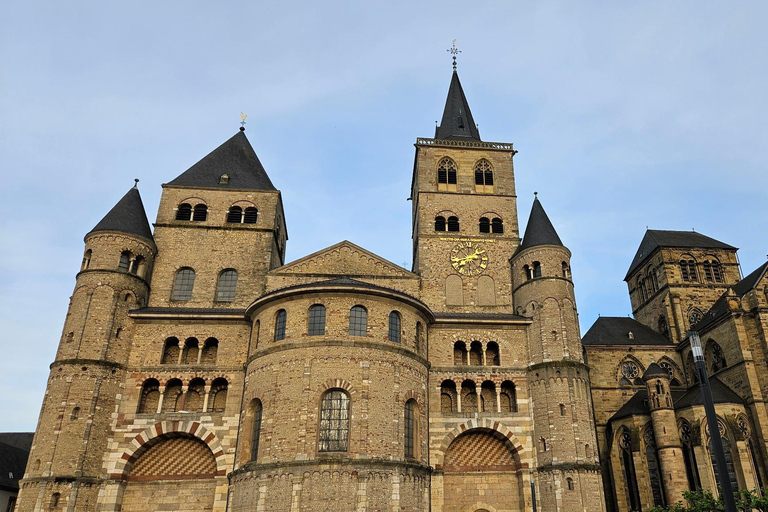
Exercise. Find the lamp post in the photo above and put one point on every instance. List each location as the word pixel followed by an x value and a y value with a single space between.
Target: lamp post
pixel 714 431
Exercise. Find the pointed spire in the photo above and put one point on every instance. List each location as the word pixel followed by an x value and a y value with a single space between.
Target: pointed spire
pixel 539 230
pixel 127 216
pixel 236 159
pixel 457 122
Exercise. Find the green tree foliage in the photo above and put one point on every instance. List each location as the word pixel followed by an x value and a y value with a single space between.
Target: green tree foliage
pixel 704 501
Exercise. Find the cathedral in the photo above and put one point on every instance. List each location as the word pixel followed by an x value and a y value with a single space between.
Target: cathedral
pixel 199 371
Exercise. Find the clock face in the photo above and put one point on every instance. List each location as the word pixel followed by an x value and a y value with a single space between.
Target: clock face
pixel 469 258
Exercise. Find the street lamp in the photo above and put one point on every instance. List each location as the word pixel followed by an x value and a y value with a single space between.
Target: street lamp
pixel 709 406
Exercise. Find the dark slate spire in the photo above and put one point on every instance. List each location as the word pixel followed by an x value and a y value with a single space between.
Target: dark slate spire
pixel 655 371
pixel 127 216
pixel 539 230
pixel 235 158
pixel 457 120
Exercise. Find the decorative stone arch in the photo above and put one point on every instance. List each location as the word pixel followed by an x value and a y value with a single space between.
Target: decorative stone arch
pixel 412 395
pixel 164 430
pixel 476 424
pixel 338 384
pixel 243 202
pixel 193 200
pixel 479 506
pixel 677 372
pixel 629 358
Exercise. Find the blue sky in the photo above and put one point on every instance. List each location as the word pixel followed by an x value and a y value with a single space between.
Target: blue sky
pixel 625 115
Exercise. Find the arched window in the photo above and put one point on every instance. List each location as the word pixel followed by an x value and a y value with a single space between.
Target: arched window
pixel 476 353
pixel 508 397
pixel 630 479
pixel 468 396
pixel 225 289
pixel 184 212
pixel 235 215
pixel 75 413
pixel 562 409
pixel 195 394
pixel 410 431
pixel 654 472
pixel 492 354
pixel 86 260
pixel 569 483
pixel 171 351
pixel 694 317
pixel 728 459
pixel 172 398
pixel 280 318
pixel 689 457
pixel 446 171
pixel 487 397
pixel 440 223
pixel 688 269
pixel 190 353
pixel 536 269
pixel 483 172
pixel 453 223
pixel 55 497
pixel 218 398
pixel 394 327
pixel 183 284
pixel 256 430
pixel 448 400
pixel 125 261
pixel 715 356
pixel 497 226
pixel 358 321
pixel 334 421
pixel 251 215
pixel 566 270
pixel 136 264
pixel 316 324
pixel 663 327
pixel 200 212
pixel 485 225
pixel 459 353
pixel 210 351
pixel 527 272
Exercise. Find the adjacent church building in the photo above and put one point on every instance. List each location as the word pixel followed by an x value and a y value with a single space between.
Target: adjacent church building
pixel 199 371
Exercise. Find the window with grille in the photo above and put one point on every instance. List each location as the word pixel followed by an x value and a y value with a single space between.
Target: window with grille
pixel 497 226
pixel 688 270
pixel 453 223
pixel 410 427
pixel 483 173
pixel 235 215
pixel 125 261
pixel 485 225
pixel 334 421
pixel 184 212
pixel 256 431
pixel 200 213
pixel 446 171
pixel 183 284
pixel 358 321
pixel 316 325
pixel 225 290
pixel 394 327
pixel 251 215
pixel 439 223
pixel 280 325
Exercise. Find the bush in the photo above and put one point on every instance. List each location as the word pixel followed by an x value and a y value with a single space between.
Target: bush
pixel 704 501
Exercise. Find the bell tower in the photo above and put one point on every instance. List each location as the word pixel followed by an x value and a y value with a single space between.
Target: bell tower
pixel 464 214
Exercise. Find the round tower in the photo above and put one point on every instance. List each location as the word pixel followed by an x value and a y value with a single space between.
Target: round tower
pixel 65 463
pixel 669 448
pixel 567 469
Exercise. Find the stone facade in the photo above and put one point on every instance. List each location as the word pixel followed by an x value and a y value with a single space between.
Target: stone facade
pixel 197 370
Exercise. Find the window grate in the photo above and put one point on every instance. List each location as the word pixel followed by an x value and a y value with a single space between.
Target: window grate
pixel 334 422
pixel 358 321
pixel 394 327
pixel 225 291
pixel 183 285
pixel 280 325
pixel 316 325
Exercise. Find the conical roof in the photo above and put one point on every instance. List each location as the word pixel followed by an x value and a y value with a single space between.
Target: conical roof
pixel 655 371
pixel 127 216
pixel 539 230
pixel 235 158
pixel 457 122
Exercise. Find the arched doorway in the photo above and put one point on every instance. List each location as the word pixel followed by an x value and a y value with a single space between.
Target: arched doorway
pixel 469 460
pixel 175 473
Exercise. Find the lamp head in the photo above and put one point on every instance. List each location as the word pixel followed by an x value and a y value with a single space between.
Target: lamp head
pixel 698 352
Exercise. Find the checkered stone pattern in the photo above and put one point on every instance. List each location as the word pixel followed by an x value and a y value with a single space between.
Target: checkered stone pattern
pixel 175 457
pixel 479 450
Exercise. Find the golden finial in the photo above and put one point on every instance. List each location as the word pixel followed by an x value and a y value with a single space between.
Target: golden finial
pixel 242 123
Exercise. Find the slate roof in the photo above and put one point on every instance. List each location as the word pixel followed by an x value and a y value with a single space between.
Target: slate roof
pixel 341 281
pixel 235 158
pixel 720 308
pixel 539 230
pixel 457 122
pixel 614 330
pixel 655 238
pixel 638 404
pixel 482 316
pixel 721 394
pixel 127 216
pixel 14 452
pixel 654 370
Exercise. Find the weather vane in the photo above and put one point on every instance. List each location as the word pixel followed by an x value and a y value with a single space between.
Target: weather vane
pixel 454 51
pixel 242 123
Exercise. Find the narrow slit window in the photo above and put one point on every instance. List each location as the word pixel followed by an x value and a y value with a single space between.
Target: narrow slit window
pixel 280 325
pixel 394 327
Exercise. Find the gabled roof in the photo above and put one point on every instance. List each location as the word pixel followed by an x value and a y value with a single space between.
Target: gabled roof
pixel 457 122
pixel 235 158
pixel 655 238
pixel 721 394
pixel 539 230
pixel 614 330
pixel 127 216
pixel 721 308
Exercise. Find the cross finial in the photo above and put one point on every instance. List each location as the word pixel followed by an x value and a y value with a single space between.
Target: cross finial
pixel 454 51
pixel 242 123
